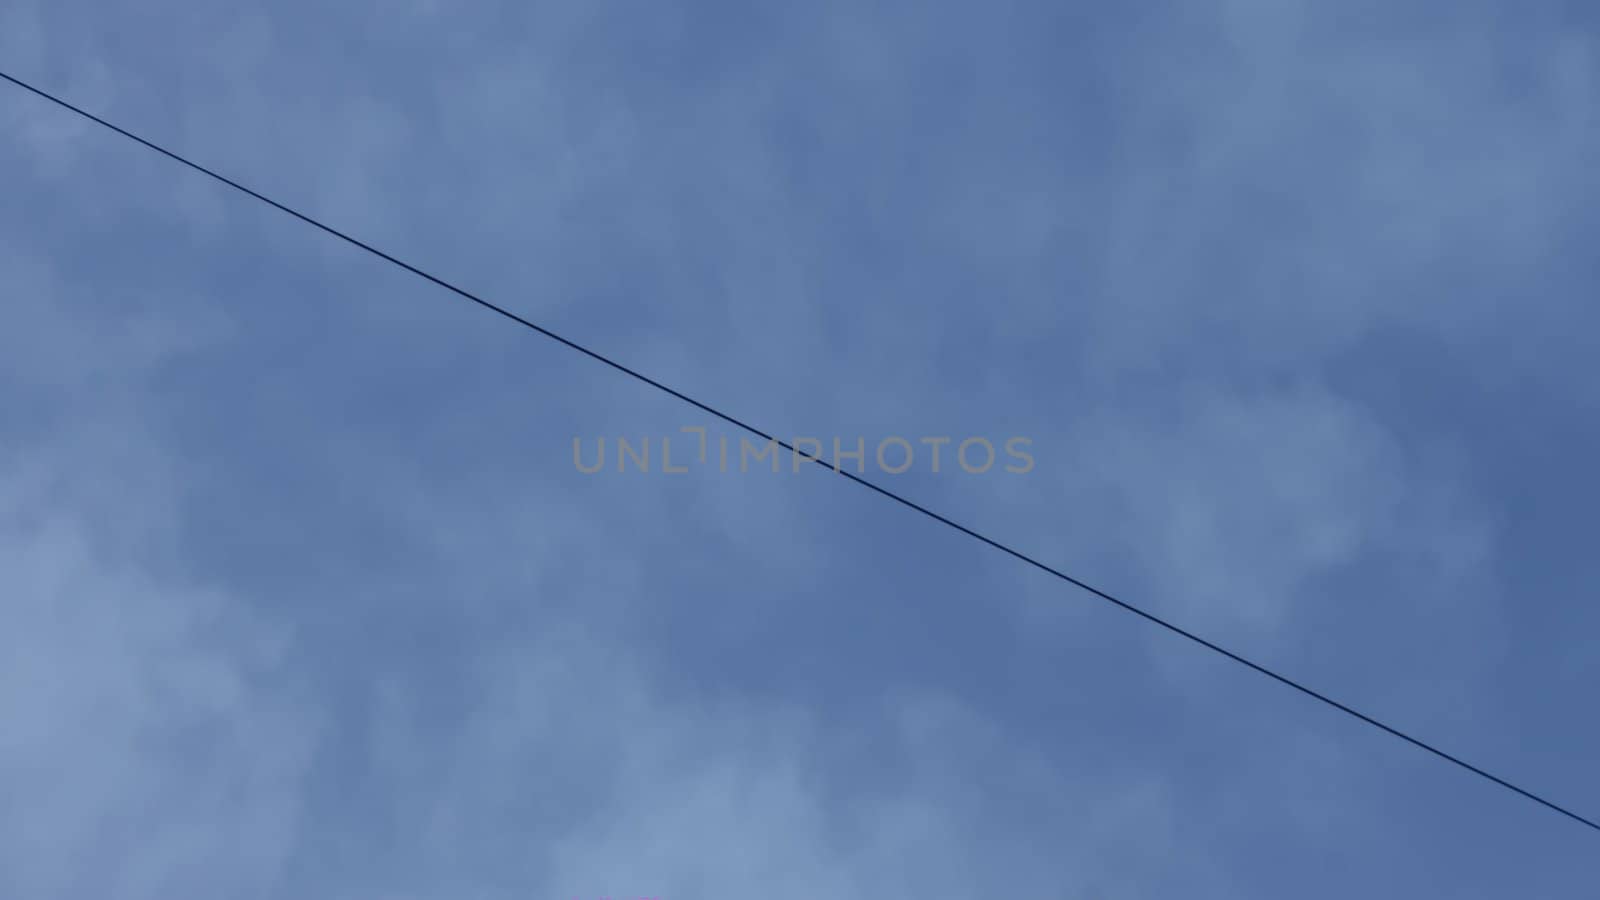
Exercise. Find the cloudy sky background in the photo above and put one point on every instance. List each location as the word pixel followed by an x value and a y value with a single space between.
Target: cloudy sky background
pixel 303 597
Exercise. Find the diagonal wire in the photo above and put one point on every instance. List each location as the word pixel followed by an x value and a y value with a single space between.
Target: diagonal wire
pixel 910 504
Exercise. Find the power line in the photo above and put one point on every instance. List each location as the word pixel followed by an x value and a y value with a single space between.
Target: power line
pixel 1017 554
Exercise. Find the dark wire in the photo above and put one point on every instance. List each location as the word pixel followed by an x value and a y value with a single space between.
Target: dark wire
pixel 1147 616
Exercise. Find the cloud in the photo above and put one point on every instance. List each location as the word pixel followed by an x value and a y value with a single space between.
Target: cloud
pixel 155 741
pixel 690 799
pixel 310 591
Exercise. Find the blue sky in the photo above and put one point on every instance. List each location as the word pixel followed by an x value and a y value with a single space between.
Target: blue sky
pixel 303 596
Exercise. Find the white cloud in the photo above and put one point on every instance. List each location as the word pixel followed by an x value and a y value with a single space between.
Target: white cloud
pixel 153 741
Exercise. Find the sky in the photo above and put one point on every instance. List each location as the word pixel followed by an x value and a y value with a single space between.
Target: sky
pixel 302 596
